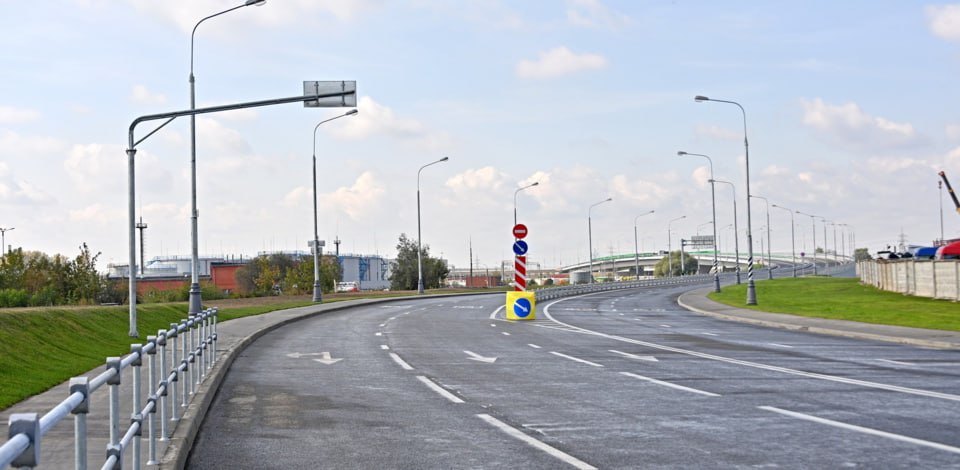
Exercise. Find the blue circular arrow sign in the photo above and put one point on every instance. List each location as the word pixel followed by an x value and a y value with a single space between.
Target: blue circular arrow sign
pixel 522 307
pixel 520 247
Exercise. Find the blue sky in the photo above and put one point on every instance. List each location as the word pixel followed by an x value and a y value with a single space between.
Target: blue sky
pixel 850 114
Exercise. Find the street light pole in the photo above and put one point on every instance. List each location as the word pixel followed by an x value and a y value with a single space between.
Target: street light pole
pixel 3 241
pixel 793 243
pixel 535 183
pixel 636 244
pixel 813 230
pixel 317 294
pixel 713 204
pixel 751 287
pixel 590 233
pixel 940 187
pixel 670 248
pixel 419 236
pixel 825 221
pixel 769 251
pixel 195 300
pixel 736 231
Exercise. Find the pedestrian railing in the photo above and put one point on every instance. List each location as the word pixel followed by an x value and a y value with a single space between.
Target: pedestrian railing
pixel 186 353
pixel 577 289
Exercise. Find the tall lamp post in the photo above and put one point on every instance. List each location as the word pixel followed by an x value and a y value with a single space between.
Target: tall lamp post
pixel 843 240
pixel 834 225
pixel 535 183
pixel 670 248
pixel 195 300
pixel 419 236
pixel 317 295
pixel 713 203
pixel 813 231
pixel 769 255
pixel 590 233
pixel 751 287
pixel 636 244
pixel 825 222
pixel 736 231
pixel 793 243
pixel 3 241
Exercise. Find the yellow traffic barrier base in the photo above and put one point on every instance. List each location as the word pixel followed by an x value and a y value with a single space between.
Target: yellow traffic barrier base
pixel 521 306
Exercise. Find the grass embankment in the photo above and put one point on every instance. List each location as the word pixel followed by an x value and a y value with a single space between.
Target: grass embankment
pixel 43 347
pixel 844 299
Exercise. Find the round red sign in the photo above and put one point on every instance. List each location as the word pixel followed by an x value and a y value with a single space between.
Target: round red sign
pixel 519 231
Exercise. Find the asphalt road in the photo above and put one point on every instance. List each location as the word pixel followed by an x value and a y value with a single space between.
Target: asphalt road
pixel 614 380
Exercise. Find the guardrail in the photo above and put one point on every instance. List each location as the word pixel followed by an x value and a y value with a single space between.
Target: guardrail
pixel 197 338
pixel 577 289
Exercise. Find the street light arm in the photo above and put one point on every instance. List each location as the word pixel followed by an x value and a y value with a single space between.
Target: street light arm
pixel 348 113
pixel 428 164
pixel 194 32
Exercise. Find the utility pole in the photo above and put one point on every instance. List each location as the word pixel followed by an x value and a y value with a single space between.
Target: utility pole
pixel 141 227
pixel 467 284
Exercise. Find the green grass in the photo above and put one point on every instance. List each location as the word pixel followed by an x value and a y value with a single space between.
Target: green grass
pixel 844 299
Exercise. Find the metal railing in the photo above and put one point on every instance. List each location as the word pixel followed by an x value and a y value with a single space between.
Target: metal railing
pixel 186 352
pixel 577 289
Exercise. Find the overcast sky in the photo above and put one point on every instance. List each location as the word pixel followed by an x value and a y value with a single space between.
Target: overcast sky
pixel 851 112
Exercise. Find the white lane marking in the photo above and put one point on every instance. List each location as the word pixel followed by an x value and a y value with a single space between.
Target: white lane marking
pixel 384 347
pixel 477 357
pixel 709 334
pixel 440 390
pixel 553 452
pixel 505 333
pixel 534 346
pixel 621 314
pixel 378 334
pixel 493 316
pixel 757 365
pixel 406 313
pixel 871 431
pixel 899 363
pixel 666 326
pixel 383 325
pixel 781 345
pixel 668 384
pixel 400 361
pixel 634 356
pixel 594 364
pixel 493 325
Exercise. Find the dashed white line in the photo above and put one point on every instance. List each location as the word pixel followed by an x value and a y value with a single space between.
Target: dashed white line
pixel 781 345
pixel 534 346
pixel 505 333
pixel 378 334
pixel 708 333
pixel 384 347
pixel 871 431
pixel 440 390
pixel 594 364
pixel 666 326
pixel 553 452
pixel 383 325
pixel 493 325
pixel 400 361
pixel 899 363
pixel 668 384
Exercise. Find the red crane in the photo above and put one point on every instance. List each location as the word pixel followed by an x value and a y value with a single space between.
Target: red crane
pixel 953 195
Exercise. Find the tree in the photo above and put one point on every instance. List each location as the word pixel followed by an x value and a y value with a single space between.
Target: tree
pixel 265 275
pixel 861 254
pixel 404 270
pixel 690 265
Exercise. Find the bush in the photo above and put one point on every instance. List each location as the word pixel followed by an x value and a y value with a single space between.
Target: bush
pixel 14 298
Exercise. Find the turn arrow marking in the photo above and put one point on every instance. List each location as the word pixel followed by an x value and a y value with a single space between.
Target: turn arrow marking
pixel 324 357
pixel 476 357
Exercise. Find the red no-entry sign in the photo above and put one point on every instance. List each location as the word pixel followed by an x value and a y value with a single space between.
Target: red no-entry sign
pixel 519 231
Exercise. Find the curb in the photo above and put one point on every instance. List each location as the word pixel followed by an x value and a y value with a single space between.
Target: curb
pixel 181 442
pixel 770 323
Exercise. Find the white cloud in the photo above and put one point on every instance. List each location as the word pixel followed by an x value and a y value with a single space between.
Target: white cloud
pixel 718 133
pixel 98 214
pixel 953 131
pixel 487 178
pixel 558 62
pixel 375 119
pixel 297 196
pixel 848 124
pixel 141 95
pixel 212 135
pixel 701 176
pixel 593 14
pixel 944 21
pixel 15 146
pixel 11 115
pixel 359 201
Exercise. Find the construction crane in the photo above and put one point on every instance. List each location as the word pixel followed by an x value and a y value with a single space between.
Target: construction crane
pixel 953 195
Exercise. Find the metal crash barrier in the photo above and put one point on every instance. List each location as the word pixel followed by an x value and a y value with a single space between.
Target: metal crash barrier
pixel 186 352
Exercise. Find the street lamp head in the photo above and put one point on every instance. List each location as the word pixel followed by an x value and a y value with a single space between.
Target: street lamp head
pixel 608 199
pixel 258 3
pixel 444 159
pixel 535 183
pixel 700 98
pixel 351 112
pixel 681 153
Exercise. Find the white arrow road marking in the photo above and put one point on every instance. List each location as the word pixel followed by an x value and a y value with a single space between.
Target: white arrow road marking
pixel 493 316
pixel 326 359
pixel 476 357
pixel 634 356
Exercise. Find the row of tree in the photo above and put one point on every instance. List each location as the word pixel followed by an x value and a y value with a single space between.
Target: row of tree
pixel 285 274
pixel 32 278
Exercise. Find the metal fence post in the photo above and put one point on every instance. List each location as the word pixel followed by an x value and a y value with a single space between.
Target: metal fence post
pixel 187 382
pixel 163 384
pixel 82 385
pixel 29 424
pixel 151 420
pixel 113 363
pixel 213 350
pixel 136 350
pixel 173 334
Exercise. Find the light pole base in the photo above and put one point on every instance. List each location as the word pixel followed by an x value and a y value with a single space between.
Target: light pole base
pixel 420 286
pixel 751 293
pixel 317 295
pixel 770 272
pixel 738 276
pixel 716 282
pixel 195 300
